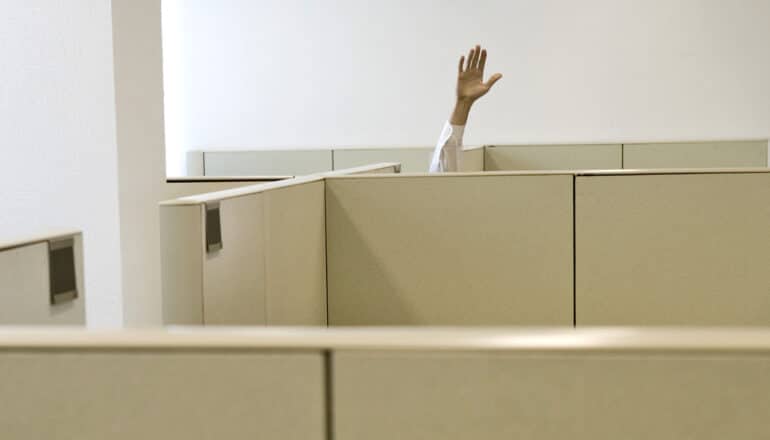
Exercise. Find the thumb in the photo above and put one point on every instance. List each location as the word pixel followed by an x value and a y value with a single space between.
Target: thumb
pixel 493 79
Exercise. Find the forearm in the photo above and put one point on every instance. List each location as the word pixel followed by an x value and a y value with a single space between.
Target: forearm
pixel 461 111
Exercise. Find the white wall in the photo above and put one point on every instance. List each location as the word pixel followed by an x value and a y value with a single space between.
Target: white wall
pixel 57 135
pixel 312 73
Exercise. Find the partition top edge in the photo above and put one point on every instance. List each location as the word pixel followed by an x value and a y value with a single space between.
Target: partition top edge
pixel 621 340
pixel 263 187
pixel 609 172
pixel 321 149
pixel 39 238
pixel 241 191
pixel 627 143
pixel 653 171
pixel 344 148
pixel 361 169
pixel 461 174
pixel 199 179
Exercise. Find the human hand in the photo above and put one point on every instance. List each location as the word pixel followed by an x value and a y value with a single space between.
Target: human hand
pixel 470 76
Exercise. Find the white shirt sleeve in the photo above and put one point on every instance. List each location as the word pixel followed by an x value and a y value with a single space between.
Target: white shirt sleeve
pixel 447 156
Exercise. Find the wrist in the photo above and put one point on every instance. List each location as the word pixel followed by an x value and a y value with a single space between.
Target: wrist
pixel 461 111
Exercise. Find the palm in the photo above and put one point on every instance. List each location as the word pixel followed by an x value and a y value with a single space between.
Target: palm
pixel 470 85
pixel 470 76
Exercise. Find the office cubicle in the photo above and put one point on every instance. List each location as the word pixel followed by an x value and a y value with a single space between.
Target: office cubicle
pixel 248 256
pixel 499 157
pixel 678 247
pixel 669 248
pixel 553 157
pixel 187 186
pixel 41 280
pixel 460 249
pixel 726 154
pixel 288 163
pixel 143 384
pixel 385 384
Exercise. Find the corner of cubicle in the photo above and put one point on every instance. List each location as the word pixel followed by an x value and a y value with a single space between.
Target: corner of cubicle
pixel 254 255
pixel 42 280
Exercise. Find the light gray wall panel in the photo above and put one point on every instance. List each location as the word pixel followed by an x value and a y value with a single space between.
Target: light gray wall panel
pixel 728 154
pixel 267 163
pixel 553 157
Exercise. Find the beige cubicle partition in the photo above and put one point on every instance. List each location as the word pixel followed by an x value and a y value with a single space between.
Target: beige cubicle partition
pixel 724 154
pixel 267 162
pixel 257 277
pixel 187 186
pixel 412 159
pixel 136 385
pixel 470 249
pixel 29 292
pixel 673 248
pixel 582 385
pixel 472 159
pixel 656 155
pixel 271 267
pixel 553 157
pixel 408 383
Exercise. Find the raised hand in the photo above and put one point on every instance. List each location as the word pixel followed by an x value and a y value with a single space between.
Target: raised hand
pixel 470 75
pixel 470 83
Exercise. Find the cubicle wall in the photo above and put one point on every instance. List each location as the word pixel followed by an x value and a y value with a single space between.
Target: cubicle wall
pixel 113 388
pixel 41 280
pixel 696 155
pixel 592 389
pixel 255 278
pixel 287 163
pixel 187 186
pixel 249 256
pixel 412 160
pixel 553 157
pixel 386 384
pixel 267 163
pixel 679 248
pixel 676 247
pixel 713 154
pixel 447 250
pixel 472 160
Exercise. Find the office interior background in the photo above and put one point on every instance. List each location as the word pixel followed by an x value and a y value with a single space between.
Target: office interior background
pixel 106 106
pixel 100 102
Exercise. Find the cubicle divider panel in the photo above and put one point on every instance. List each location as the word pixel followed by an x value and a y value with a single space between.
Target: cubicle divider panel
pixel 450 249
pixel 266 163
pixel 696 155
pixel 188 187
pixel 472 160
pixel 467 395
pixel 26 296
pixel 182 241
pixel 673 249
pixel 553 157
pixel 413 159
pixel 132 394
pixel 234 291
pixel 295 246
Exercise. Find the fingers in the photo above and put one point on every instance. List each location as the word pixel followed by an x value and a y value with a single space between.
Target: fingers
pixel 476 60
pixel 470 57
pixel 493 79
pixel 476 55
